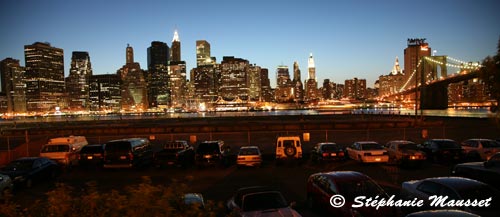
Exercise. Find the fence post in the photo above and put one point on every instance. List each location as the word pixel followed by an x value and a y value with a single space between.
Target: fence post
pixel 27 143
pixel 8 148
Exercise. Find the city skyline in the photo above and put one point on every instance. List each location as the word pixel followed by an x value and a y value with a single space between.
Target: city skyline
pixel 347 38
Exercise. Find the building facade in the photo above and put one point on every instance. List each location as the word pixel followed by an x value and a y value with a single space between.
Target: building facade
pixel 298 87
pixel 391 83
pixel 234 78
pixel 77 83
pixel 133 84
pixel 13 85
pixel 44 67
pixel 157 77
pixel 203 54
pixel 175 50
pixel 311 83
pixel 284 86
pixel 417 48
pixel 355 89
pixel 265 84
pixel 105 93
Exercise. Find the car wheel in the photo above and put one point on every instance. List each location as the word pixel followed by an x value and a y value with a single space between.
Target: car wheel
pixel 290 151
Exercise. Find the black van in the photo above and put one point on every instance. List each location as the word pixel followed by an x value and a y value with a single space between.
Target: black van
pixel 126 153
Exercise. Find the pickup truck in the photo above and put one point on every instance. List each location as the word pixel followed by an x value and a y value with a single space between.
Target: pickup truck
pixel 175 153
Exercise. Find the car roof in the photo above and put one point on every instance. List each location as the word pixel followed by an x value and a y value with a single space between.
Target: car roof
pixel 402 142
pixel 249 147
pixel 442 140
pixel 327 143
pixel 344 175
pixel 455 182
pixel 366 142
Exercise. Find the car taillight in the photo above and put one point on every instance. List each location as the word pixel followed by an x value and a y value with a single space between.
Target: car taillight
pixel 325 154
pixel 341 153
pixel 130 156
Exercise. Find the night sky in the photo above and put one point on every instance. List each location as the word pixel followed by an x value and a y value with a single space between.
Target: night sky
pixel 351 38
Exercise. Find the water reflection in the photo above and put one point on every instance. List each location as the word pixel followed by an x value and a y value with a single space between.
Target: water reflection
pixel 476 113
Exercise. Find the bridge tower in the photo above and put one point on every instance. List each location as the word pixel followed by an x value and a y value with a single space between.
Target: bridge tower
pixel 435 96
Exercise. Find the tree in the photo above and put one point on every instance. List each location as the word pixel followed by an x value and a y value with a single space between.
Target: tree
pixel 490 74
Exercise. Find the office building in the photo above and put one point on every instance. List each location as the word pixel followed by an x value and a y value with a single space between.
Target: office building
pixel 13 85
pixel 133 88
pixel 355 89
pixel 105 93
pixel 77 83
pixel 44 67
pixel 157 76
pixel 234 79
pixel 311 83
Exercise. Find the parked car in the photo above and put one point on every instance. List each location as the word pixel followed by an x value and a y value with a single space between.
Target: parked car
pixel 194 199
pixel 487 171
pixel 480 149
pixel 442 151
pixel 64 150
pixel 288 148
pixel 212 153
pixel 177 152
pixel 349 184
pixel 327 151
pixel 404 152
pixel 127 153
pixel 368 152
pixel 6 186
pixel 26 171
pixel 442 213
pixel 259 201
pixel 249 156
pixel 92 155
pixel 456 188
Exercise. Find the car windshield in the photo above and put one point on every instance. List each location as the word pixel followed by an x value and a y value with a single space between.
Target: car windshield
pixel 329 147
pixel 55 148
pixel 490 144
pixel 118 146
pixel 408 146
pixel 445 144
pixel 208 147
pixel 249 151
pixel 371 146
pixel 350 189
pixel 19 165
pixel 263 201
pixel 91 149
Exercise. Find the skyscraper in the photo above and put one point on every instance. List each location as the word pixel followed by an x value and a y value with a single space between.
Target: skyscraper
pixel 265 84
pixel 133 88
pixel 157 77
pixel 311 83
pixel 44 76
pixel 13 85
pixel 77 83
pixel 176 48
pixel 284 89
pixel 234 79
pixel 105 93
pixel 297 83
pixel 417 48
pixel 203 53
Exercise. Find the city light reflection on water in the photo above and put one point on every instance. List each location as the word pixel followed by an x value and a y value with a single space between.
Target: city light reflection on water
pixel 476 113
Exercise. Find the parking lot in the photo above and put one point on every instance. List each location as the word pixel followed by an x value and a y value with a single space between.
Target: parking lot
pixel 218 184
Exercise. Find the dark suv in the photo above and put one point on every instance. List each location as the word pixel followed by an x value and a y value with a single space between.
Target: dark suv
pixel 212 153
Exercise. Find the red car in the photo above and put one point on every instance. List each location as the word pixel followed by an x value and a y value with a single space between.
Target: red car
pixel 350 184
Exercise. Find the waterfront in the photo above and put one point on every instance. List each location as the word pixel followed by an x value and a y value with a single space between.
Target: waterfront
pixel 451 112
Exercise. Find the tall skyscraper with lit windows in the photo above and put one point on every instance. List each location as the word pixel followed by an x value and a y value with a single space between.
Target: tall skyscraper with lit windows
pixel 44 66
pixel 77 83
pixel 13 85
pixel 157 77
pixel 175 53
pixel 133 86
pixel 311 83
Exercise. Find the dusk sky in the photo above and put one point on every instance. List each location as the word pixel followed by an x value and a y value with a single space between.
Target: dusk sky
pixel 351 38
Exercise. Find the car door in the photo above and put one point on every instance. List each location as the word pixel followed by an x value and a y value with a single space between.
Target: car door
pixel 352 151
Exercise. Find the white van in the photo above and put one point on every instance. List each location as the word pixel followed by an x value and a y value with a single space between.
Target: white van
pixel 64 150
